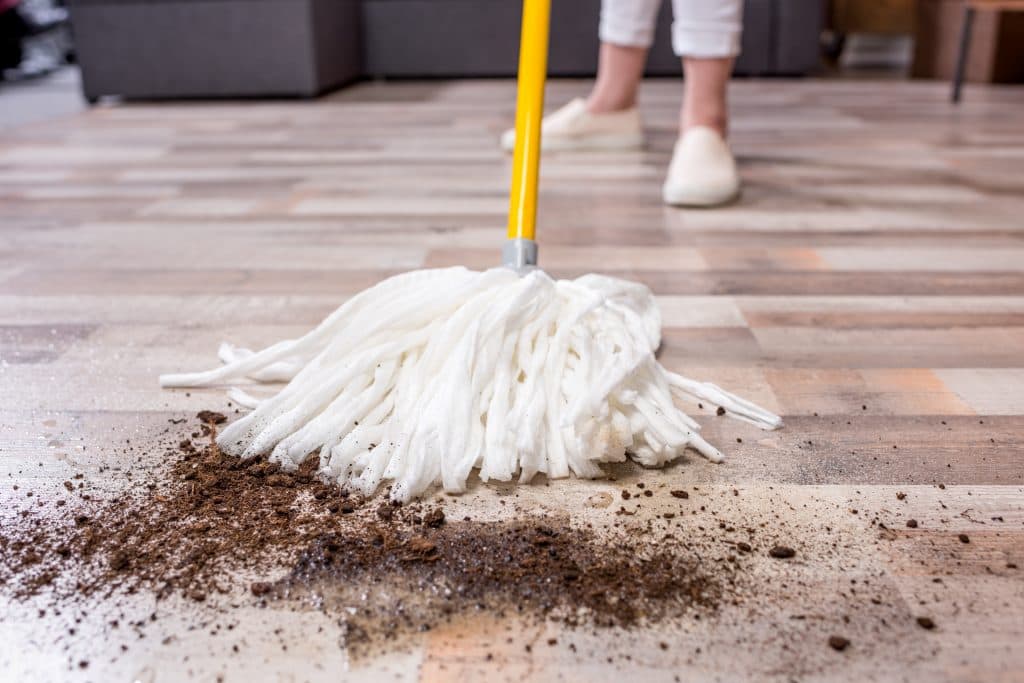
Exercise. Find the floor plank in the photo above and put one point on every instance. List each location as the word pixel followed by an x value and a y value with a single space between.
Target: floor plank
pixel 868 286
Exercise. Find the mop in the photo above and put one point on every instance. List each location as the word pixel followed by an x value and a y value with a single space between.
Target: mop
pixel 431 374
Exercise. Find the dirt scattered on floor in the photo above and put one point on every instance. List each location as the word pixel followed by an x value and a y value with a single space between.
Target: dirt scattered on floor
pixel 205 519
pixel 838 643
pixel 218 530
pixel 210 417
pixel 534 568
pixel 782 552
pixel 181 531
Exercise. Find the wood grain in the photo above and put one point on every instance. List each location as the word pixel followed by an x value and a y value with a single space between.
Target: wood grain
pixel 869 286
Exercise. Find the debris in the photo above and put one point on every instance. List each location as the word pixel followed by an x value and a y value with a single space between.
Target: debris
pixel 838 643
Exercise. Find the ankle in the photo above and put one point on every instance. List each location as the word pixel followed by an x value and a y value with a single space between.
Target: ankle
pixel 600 104
pixel 716 122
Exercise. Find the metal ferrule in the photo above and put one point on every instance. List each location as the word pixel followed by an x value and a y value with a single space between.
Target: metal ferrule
pixel 519 254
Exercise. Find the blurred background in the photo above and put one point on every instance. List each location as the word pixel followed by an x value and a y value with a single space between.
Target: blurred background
pixel 58 57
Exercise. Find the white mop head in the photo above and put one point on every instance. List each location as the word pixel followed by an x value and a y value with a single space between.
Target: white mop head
pixel 432 373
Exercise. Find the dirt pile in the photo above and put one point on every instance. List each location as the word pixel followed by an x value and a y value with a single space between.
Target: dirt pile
pixel 207 523
pixel 530 567
pixel 183 530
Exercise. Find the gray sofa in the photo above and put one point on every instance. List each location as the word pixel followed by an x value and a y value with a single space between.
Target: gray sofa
pixel 215 48
pixel 453 38
pixel 266 48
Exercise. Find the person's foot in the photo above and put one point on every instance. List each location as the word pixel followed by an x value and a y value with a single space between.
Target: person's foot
pixel 574 128
pixel 702 172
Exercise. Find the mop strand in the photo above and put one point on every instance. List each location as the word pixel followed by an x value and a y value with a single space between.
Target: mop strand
pixel 430 374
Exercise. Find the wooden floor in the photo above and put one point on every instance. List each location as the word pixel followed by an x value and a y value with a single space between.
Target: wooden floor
pixel 868 286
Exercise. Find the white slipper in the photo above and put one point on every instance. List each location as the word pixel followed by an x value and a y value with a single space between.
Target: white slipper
pixel 574 128
pixel 702 172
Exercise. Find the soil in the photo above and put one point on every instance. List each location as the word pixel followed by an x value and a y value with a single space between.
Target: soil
pixel 925 623
pixel 207 520
pixel 838 643
pixel 178 532
pixel 540 569
pixel 782 552
pixel 216 530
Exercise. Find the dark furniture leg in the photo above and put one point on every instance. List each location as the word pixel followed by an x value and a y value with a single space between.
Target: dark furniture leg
pixel 961 56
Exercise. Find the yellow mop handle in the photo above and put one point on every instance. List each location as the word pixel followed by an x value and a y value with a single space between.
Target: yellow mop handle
pixel 533 64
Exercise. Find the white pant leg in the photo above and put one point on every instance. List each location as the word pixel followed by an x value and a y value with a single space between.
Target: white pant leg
pixel 628 22
pixel 705 28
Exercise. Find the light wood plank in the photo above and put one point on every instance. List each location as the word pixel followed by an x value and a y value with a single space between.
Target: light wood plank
pixel 867 286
